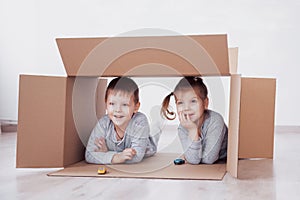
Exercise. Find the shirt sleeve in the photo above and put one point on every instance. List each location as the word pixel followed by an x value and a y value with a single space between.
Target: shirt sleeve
pixel 139 133
pixel 206 149
pixel 91 156
pixel 192 149
pixel 213 141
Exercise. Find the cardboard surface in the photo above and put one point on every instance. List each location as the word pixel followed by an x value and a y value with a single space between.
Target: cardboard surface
pixel 256 135
pixel 159 166
pixel 145 56
pixel 49 132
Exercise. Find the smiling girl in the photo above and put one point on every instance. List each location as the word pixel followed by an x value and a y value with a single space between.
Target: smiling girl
pixel 123 134
pixel 202 132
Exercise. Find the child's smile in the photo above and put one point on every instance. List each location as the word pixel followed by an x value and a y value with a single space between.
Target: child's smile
pixel 120 108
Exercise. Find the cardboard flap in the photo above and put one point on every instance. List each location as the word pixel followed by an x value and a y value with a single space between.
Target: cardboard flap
pixel 233 127
pixel 145 56
pixel 41 121
pixel 256 139
pixel 56 116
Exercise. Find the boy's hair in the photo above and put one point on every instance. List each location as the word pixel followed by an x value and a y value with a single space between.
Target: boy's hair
pixel 123 84
pixel 187 82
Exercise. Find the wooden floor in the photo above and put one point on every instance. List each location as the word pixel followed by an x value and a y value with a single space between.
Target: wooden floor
pixel 258 179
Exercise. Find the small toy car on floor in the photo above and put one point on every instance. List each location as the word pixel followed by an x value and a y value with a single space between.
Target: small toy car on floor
pixel 102 170
pixel 179 161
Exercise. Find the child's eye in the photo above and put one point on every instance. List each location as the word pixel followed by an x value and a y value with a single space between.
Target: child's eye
pixel 179 102
pixel 194 101
pixel 125 104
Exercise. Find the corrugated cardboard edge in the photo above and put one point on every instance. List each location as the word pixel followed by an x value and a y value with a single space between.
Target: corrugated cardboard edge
pixel 233 59
pixel 233 127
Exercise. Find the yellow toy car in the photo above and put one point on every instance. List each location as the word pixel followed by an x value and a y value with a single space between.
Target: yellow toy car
pixel 101 170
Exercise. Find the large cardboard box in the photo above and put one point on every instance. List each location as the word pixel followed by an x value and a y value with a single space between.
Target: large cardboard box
pixel 57 114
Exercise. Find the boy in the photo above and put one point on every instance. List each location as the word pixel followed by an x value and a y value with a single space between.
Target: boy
pixel 123 134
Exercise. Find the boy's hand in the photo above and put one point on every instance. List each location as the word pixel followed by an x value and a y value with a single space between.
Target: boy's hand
pixel 126 154
pixel 101 145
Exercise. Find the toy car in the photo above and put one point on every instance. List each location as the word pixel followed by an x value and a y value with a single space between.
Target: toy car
pixel 101 170
pixel 179 161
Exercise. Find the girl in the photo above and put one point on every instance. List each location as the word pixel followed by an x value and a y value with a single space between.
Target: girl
pixel 202 132
pixel 123 134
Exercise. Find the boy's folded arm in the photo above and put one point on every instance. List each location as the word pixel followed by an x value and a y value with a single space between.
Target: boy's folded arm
pixel 91 156
pixel 139 139
pixel 140 147
pixel 94 157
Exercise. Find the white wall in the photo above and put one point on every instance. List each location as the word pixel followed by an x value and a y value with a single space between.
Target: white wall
pixel 266 32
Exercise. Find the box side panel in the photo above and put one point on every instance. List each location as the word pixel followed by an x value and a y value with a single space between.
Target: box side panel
pixel 41 121
pixel 145 56
pixel 81 114
pixel 85 101
pixel 73 147
pixel 100 104
pixel 233 127
pixel 256 138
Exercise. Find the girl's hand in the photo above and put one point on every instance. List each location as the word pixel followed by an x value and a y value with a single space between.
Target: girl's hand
pixel 126 154
pixel 101 145
pixel 187 123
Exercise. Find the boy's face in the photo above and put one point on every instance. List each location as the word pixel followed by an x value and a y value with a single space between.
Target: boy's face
pixel 120 107
pixel 188 103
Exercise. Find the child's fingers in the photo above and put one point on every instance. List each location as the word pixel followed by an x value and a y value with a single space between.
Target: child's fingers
pixel 127 155
pixel 100 144
pixel 181 117
pixel 133 151
pixel 97 143
pixel 188 118
pixel 184 118
pixel 102 140
pixel 130 151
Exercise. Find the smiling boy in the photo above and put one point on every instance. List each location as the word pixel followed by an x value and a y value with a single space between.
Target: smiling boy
pixel 123 134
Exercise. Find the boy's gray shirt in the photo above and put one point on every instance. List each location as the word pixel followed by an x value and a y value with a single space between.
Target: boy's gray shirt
pixel 211 146
pixel 136 136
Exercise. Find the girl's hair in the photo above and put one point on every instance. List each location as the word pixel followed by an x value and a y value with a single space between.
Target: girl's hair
pixel 123 84
pixel 187 82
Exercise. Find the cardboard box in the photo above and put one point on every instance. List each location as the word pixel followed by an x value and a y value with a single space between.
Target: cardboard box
pixel 57 114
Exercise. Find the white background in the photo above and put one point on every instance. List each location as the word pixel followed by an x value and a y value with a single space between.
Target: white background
pixel 266 32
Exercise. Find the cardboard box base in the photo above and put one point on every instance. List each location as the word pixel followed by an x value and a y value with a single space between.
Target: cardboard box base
pixel 160 166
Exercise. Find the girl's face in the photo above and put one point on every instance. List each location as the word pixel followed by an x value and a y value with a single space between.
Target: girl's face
pixel 120 107
pixel 189 103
